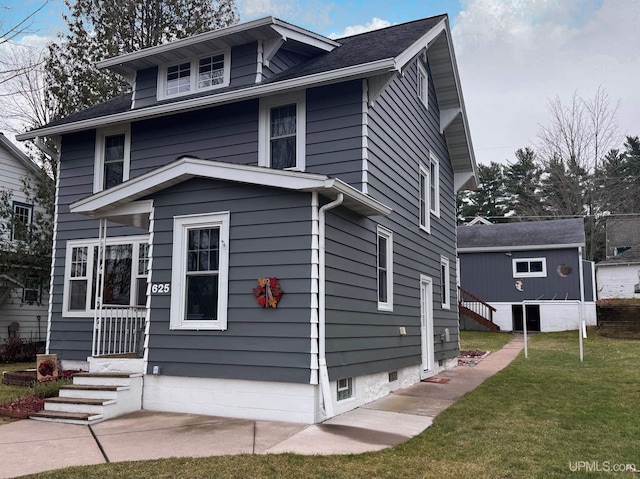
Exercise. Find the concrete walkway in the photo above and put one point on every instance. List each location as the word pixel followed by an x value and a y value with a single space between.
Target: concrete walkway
pixel 28 447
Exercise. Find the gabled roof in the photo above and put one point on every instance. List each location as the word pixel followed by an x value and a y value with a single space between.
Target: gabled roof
pixel 552 234
pixel 380 54
pixel 19 155
pixel 122 200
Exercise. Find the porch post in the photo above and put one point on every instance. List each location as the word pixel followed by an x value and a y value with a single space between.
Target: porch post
pixel 99 282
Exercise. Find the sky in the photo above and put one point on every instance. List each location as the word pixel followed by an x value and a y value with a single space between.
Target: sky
pixel 513 56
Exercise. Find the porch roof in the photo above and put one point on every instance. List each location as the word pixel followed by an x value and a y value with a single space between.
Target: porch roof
pixel 124 203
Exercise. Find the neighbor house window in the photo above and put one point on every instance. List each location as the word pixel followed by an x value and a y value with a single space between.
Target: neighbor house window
pixel 422 86
pixel 529 267
pixel 425 199
pixel 282 132
pixel 124 284
pixel 194 75
pixel 32 291
pixel 344 389
pixel 385 269
pixel 444 283
pixel 112 158
pixel 434 185
pixel 200 271
pixel 22 219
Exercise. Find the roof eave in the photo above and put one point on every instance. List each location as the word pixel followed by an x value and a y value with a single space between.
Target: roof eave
pixel 504 248
pixel 332 76
pixel 108 202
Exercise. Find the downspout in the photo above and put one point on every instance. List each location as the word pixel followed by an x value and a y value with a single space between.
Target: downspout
pixel 322 359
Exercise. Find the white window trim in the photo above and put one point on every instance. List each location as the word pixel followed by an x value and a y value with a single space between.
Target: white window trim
pixel 424 193
pixel 193 75
pixel 98 168
pixel 446 293
pixel 181 224
pixel 91 244
pixel 299 98
pixel 388 235
pixel 26 206
pixel 435 178
pixel 540 274
pixel 350 389
pixel 422 73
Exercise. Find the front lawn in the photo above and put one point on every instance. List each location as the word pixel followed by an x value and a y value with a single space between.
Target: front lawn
pixel 546 417
pixel 483 340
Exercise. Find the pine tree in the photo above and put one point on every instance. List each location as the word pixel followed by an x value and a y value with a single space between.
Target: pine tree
pixel 100 29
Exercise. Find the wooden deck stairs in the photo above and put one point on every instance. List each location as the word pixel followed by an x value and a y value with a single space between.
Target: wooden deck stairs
pixel 473 307
pixel 93 398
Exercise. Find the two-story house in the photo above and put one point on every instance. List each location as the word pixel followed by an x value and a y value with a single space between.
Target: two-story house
pixel 268 220
pixel 23 297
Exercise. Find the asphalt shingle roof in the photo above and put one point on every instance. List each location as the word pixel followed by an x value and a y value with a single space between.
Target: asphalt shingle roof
pixel 354 50
pixel 526 233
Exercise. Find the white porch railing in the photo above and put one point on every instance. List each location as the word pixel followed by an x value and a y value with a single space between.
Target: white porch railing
pixel 118 330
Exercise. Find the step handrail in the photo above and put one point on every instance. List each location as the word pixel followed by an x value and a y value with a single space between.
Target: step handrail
pixel 471 302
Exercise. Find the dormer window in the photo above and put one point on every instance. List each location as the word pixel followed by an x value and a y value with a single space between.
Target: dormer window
pixel 194 75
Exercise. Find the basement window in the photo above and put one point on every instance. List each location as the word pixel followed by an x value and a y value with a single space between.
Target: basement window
pixel 344 388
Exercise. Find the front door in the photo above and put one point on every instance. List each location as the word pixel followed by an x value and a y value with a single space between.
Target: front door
pixel 426 326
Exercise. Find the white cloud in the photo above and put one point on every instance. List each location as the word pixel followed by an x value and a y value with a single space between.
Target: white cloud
pixel 250 9
pixel 314 13
pixel 514 56
pixel 374 24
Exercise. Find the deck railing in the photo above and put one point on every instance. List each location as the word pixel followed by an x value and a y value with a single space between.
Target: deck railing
pixel 118 330
pixel 480 310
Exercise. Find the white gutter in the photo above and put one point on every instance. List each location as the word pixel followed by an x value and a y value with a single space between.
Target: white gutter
pixel 322 325
pixel 333 76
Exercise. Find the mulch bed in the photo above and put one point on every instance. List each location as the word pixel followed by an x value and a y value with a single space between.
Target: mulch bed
pixel 471 357
pixel 21 408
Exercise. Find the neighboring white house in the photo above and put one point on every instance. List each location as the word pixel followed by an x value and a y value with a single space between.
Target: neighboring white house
pixel 619 276
pixel 24 305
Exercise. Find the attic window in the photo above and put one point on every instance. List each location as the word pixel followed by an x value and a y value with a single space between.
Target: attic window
pixel 422 86
pixel 194 75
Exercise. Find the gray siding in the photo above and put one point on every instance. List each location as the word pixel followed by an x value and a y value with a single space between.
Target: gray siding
pixel 244 66
pixel 146 87
pixel 282 60
pixel 270 235
pixel 588 280
pixel 334 131
pixel 489 276
pixel 361 339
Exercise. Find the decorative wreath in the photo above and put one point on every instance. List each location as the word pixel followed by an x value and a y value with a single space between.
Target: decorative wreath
pixel 268 292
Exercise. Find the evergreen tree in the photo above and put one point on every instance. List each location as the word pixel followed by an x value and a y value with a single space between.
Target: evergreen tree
pixel 522 185
pixel 100 29
pixel 489 200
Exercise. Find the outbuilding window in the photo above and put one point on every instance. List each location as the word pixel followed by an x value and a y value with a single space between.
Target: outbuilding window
pixel 529 267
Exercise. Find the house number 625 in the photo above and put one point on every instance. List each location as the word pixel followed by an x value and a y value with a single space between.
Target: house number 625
pixel 160 288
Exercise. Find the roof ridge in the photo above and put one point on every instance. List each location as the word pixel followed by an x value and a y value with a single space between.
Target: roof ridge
pixel 395 25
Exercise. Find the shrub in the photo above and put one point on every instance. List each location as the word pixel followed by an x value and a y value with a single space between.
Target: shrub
pixel 48 389
pixel 15 350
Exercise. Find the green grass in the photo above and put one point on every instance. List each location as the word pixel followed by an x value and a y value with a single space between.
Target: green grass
pixel 534 419
pixel 11 393
pixel 483 340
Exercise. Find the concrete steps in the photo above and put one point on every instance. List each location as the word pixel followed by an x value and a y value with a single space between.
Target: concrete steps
pixel 94 397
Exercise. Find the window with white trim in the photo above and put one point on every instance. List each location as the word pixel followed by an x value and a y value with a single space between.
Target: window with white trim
pixel 22 219
pixel 434 185
pixel 282 132
pixel 125 283
pixel 529 267
pixel 112 157
pixel 385 269
pixel 344 389
pixel 32 291
pixel 200 271
pixel 425 199
pixel 444 283
pixel 194 75
pixel 422 86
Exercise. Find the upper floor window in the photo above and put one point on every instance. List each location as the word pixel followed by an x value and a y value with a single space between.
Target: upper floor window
pixel 529 267
pixel 422 86
pixel 32 291
pixel 434 185
pixel 425 198
pixel 444 282
pixel 22 218
pixel 282 132
pixel 113 149
pixel 385 269
pixel 194 75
